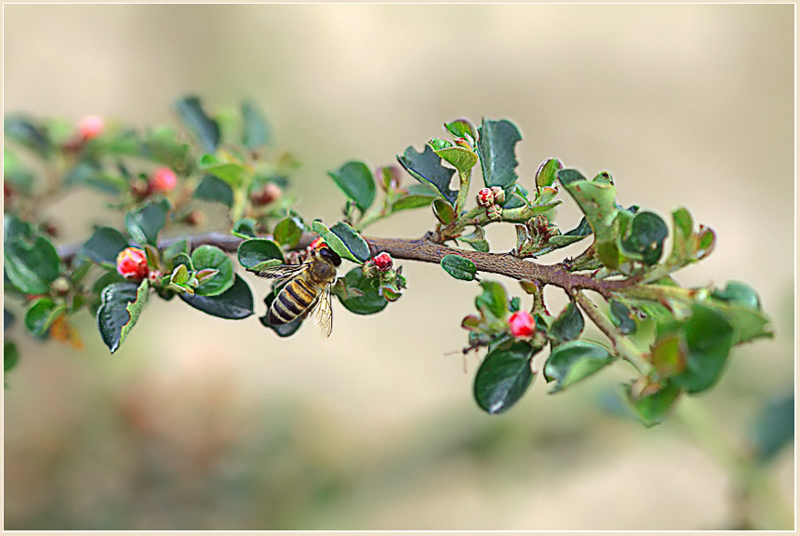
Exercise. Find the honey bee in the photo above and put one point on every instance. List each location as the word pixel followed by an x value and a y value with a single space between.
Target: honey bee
pixel 307 289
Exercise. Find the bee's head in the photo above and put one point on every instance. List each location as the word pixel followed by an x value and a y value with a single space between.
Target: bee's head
pixel 327 253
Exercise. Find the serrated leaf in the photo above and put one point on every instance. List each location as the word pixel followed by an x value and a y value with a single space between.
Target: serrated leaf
pixel 356 181
pixel 258 250
pixel 144 223
pixel 235 303
pixel 427 167
pixel 573 361
pixel 104 245
pixel 496 145
pixel 204 128
pixel 503 377
pixel 121 304
pixel 211 257
pixel 459 267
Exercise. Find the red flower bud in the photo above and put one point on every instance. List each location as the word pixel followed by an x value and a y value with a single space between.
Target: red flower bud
pixel 266 195
pixel 485 197
pixel 383 262
pixel 91 126
pixel 522 324
pixel 132 264
pixel 163 180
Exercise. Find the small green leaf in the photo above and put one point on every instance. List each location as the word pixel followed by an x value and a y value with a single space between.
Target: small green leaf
pixel 288 232
pixel 352 241
pixel 496 145
pixel 144 223
pixel 709 337
pixel 215 190
pixel 573 361
pixel 493 301
pixel 569 324
pixel 645 237
pixel 205 129
pixel 41 315
pixel 503 377
pixel 212 257
pixel 10 356
pixel 461 128
pixel 24 132
pixel 461 158
pixel 739 293
pixel 180 275
pixel 459 267
pixel 104 246
pixel 255 133
pixel 411 201
pixel 547 173
pixel 773 429
pixel 653 408
pixel 476 240
pixel 255 251
pixel 121 304
pixel 356 181
pixel 245 228
pixel 367 300
pixel 31 264
pixel 427 167
pixel 333 241
pixel 621 317
pixel 231 173
pixel 443 211
pixel 235 303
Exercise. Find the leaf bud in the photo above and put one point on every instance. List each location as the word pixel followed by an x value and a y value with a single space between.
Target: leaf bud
pixel 485 197
pixel 522 324
pixel 266 194
pixel 383 261
pixel 499 195
pixel 91 126
pixel 60 286
pixel 163 180
pixel 132 264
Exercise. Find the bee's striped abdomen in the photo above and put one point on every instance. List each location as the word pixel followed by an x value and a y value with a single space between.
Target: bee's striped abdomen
pixel 292 301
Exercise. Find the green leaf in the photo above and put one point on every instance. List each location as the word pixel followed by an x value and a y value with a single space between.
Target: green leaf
pixel 245 228
pixel 476 240
pixel 288 232
pixel 645 237
pixel 493 301
pixel 496 145
pixel 235 303
pixel 367 300
pixel 144 223
pixel 356 181
pixel 443 211
pixel 739 293
pixel 461 158
pixel 14 173
pixel 547 173
pixel 503 377
pixel 653 408
pixel 24 132
pixel 569 324
pixel 173 250
pixel 709 337
pixel 231 173
pixel 461 128
pixel 31 264
pixel 411 201
pixel 597 201
pixel 214 258
pixel 162 145
pixel 41 315
pixel 459 267
pixel 336 243
pixel 257 250
pixel 427 167
pixel 352 241
pixel 104 246
pixel 773 429
pixel 10 356
pixel 682 225
pixel 255 133
pixel 621 317
pixel 204 129
pixel 121 304
pixel 215 190
pixel 573 361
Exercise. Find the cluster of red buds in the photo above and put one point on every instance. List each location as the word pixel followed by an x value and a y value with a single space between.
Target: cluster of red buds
pixel 491 199
pixel 132 264
pixel 522 324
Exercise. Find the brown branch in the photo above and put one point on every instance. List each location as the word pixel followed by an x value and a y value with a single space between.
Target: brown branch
pixel 425 250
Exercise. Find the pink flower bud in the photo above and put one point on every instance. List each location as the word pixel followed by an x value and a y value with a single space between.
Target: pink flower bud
pixel 267 194
pixel 383 262
pixel 132 264
pixel 91 126
pixel 522 324
pixel 163 180
pixel 485 197
pixel 155 276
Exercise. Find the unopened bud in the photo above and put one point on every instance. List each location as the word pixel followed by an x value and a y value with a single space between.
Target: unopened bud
pixel 499 195
pixel 485 197
pixel 91 126
pixel 522 324
pixel 163 180
pixel 383 262
pixel 60 286
pixel 132 264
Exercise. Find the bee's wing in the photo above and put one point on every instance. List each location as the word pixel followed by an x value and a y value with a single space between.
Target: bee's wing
pixel 324 311
pixel 283 271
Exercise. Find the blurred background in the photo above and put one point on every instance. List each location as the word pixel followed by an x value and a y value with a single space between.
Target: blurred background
pixel 199 423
